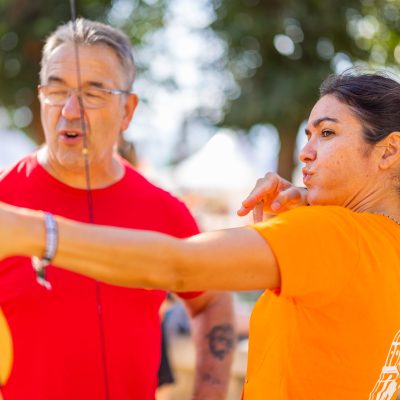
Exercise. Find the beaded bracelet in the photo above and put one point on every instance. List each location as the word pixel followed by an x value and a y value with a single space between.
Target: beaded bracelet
pixel 40 264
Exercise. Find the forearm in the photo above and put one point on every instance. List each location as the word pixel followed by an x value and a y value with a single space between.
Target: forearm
pixel 118 256
pixel 236 259
pixel 22 231
pixel 233 259
pixel 103 253
pixel 214 336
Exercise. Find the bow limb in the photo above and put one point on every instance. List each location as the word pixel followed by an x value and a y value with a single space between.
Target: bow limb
pixel 86 160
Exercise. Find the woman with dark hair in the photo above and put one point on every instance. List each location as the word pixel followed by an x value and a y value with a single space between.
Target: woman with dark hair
pixel 328 325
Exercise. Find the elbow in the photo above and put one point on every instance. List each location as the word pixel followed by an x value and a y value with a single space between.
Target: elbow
pixel 181 277
pixel 163 267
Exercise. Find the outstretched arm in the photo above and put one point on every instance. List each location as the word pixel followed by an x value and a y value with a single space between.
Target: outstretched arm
pixel 232 259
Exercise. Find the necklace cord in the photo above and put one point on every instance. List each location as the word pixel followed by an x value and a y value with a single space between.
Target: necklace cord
pixel 389 217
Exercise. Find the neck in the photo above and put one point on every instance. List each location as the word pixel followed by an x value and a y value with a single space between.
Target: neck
pixel 382 198
pixel 390 207
pixel 101 175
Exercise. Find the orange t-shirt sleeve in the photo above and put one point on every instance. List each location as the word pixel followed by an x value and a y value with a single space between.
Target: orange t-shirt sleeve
pixel 316 249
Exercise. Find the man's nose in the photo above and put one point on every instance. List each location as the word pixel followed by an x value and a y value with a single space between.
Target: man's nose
pixel 71 108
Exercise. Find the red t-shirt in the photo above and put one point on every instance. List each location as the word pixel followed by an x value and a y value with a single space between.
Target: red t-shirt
pixel 51 341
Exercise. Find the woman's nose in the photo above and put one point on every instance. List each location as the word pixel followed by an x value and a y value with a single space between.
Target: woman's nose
pixel 308 152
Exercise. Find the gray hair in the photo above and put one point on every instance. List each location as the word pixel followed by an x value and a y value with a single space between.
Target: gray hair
pixel 92 33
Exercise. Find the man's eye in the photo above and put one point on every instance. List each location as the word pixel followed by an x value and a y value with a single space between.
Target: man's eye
pixel 57 92
pixel 93 94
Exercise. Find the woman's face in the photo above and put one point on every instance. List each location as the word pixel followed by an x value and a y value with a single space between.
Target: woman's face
pixel 340 167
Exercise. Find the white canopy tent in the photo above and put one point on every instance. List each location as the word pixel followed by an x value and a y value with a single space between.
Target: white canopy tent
pixel 224 164
pixel 215 180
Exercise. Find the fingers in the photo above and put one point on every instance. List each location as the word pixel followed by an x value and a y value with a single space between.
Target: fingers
pixel 265 188
pixel 260 215
pixel 258 212
pixel 272 194
pixel 243 211
pixel 288 199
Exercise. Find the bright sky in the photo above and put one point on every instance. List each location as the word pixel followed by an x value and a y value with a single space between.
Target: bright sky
pixel 177 52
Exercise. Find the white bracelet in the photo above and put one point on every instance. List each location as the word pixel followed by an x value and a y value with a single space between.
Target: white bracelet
pixel 40 264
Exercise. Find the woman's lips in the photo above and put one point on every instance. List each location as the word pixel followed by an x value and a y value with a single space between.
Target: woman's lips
pixel 307 174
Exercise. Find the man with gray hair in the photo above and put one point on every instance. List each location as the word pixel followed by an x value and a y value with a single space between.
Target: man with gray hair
pixel 82 339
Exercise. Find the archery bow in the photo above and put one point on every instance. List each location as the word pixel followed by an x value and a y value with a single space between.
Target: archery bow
pixel 39 265
pixel 85 154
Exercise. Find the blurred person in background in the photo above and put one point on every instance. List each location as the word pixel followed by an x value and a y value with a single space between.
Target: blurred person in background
pixel 84 339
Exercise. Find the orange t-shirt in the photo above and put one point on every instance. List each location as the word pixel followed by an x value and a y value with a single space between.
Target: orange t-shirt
pixel 332 331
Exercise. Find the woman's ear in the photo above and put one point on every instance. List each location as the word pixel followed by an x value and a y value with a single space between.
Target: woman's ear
pixel 391 150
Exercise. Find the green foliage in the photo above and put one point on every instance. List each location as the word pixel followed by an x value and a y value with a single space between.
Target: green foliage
pixel 25 24
pixel 280 87
pixel 277 87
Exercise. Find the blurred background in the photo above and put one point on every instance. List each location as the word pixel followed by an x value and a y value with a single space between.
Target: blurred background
pixel 224 85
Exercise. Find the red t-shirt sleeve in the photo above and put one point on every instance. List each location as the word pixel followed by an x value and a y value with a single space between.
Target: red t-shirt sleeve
pixel 182 224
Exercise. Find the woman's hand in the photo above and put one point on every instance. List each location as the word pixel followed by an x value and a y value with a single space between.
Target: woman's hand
pixel 272 195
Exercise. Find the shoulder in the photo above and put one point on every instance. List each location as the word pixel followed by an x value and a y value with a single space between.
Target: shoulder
pixel 321 242
pixel 171 209
pixel 312 216
pixel 310 222
pixel 16 181
pixel 318 212
pixel 147 189
pixel 21 168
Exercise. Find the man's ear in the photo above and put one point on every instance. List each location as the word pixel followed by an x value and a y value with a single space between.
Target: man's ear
pixel 391 150
pixel 129 109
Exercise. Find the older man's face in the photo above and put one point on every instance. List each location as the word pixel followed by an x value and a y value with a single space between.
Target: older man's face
pixel 99 68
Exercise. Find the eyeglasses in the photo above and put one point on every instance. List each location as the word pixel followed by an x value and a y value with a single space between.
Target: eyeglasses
pixel 58 95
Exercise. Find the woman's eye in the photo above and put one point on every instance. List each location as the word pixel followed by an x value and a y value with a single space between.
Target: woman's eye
pixel 326 133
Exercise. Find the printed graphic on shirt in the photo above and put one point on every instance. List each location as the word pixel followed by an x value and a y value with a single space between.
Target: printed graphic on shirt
pixel 6 350
pixel 388 384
